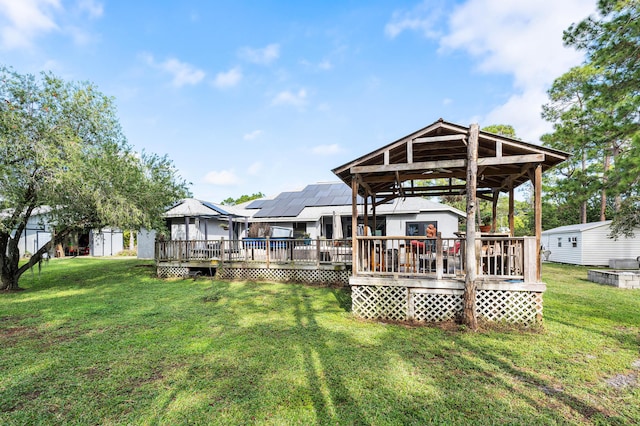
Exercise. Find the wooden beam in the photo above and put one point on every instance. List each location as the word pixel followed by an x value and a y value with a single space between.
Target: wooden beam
pixel 494 211
pixel 445 138
pixel 354 226
pixel 364 184
pixel 366 215
pixel 448 164
pixel 512 221
pixel 537 216
pixel 375 219
pixel 386 157
pixel 409 152
pixel 399 184
pixel 469 308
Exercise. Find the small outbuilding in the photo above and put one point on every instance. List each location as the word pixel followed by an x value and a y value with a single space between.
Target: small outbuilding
pixel 588 244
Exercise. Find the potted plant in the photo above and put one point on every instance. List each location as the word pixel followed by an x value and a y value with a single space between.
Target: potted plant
pixel 485 221
pixel 307 238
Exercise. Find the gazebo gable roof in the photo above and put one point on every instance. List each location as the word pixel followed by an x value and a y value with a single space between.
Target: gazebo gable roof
pixel 439 151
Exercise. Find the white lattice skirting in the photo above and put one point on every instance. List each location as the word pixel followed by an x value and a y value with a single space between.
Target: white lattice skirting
pixel 172 271
pixel 306 276
pixel 434 305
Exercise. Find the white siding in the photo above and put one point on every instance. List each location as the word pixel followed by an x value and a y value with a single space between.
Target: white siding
pixel 105 242
pixel 562 249
pixel 146 244
pixel 594 248
pixel 447 222
pixel 599 248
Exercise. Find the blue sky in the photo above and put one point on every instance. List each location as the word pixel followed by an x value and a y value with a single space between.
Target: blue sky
pixel 270 96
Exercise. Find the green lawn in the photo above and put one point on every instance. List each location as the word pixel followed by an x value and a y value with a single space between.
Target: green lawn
pixel 95 341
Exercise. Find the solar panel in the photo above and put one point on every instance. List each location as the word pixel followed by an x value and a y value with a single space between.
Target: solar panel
pixel 257 204
pixel 291 204
pixel 215 208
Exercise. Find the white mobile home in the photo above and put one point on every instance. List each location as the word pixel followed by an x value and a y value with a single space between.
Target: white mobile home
pixel 588 244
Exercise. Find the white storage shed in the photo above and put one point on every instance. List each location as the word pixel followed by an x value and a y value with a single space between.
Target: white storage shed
pixel 588 244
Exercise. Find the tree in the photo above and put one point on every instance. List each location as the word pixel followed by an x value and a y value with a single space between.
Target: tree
pixel 242 199
pixel 611 42
pixel 575 124
pixel 502 130
pixel 62 152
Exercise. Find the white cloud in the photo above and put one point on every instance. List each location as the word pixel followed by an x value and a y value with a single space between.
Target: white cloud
pixel 24 20
pixel 447 101
pixel 252 135
pixel 324 107
pixel 522 39
pixel 221 178
pixel 326 149
pixel 525 37
pixel 288 98
pixel 254 168
pixel 227 79
pixel 182 72
pixel 93 8
pixel 262 56
pixel 422 18
pixel 324 65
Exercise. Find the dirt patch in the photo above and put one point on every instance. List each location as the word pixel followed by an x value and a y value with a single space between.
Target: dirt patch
pixel 620 381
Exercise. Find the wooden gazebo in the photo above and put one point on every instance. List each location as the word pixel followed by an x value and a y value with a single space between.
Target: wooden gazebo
pixel 399 278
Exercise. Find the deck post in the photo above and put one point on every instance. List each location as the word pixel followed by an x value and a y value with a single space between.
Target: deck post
pixel 439 260
pixel 512 222
pixel 267 250
pixel 355 264
pixel 469 315
pixel 318 252
pixel 537 217
pixel 494 211
pixel 529 257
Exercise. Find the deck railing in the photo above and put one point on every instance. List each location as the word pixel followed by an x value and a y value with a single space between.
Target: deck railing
pixel 496 257
pixel 264 250
pixel 503 258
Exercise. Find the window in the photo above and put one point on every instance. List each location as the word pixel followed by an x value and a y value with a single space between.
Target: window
pixel 573 241
pixel 559 241
pixel 419 229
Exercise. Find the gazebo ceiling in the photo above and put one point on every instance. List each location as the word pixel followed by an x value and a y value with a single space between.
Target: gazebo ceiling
pixel 432 161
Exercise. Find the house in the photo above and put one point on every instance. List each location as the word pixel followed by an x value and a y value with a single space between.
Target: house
pixel 192 219
pixel 313 209
pixel 588 244
pixel 309 212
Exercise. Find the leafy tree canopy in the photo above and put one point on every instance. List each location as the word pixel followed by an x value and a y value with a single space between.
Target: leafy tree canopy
pixel 242 199
pixel 502 130
pixel 63 154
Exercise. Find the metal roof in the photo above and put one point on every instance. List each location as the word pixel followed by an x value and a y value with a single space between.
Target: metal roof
pixel 578 227
pixel 196 208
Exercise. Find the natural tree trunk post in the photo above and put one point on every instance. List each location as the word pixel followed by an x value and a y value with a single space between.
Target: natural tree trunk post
pixel 366 215
pixel 469 315
pixel 537 216
pixel 373 212
pixel 512 221
pixel 494 211
pixel 354 226
pixel 131 242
